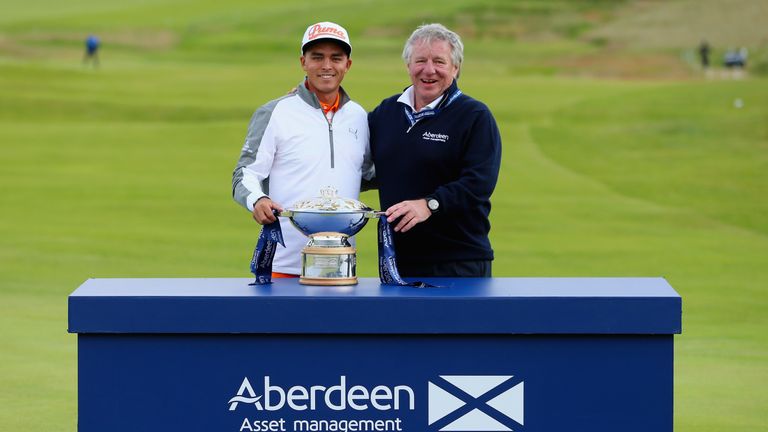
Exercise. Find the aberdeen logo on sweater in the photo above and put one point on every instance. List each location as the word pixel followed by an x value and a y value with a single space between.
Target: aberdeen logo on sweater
pixel 435 137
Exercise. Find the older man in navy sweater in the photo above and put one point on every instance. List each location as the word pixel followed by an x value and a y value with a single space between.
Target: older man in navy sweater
pixel 437 154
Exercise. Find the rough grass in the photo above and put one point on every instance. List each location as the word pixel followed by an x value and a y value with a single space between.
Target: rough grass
pixel 125 171
pixel 682 24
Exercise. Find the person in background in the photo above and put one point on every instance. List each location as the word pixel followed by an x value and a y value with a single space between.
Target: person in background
pixel 704 54
pixel 309 139
pixel 91 55
pixel 437 154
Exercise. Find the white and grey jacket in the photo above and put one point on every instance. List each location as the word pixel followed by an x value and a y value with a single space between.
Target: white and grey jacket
pixel 292 151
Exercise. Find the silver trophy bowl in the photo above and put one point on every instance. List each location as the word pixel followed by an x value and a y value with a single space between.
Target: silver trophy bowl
pixel 329 213
pixel 344 222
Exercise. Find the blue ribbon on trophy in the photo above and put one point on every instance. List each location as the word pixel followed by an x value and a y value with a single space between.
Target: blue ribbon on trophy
pixel 264 253
pixel 388 274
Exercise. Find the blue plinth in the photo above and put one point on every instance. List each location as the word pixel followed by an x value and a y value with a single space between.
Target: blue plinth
pixel 521 354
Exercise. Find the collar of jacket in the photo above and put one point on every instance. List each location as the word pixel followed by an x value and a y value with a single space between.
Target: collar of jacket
pixel 450 90
pixel 311 98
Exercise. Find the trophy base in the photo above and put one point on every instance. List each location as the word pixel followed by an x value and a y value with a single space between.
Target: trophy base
pixel 328 281
pixel 328 259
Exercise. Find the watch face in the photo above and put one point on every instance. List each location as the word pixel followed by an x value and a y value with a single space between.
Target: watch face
pixel 433 204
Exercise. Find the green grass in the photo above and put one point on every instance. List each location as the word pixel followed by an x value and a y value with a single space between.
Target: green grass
pixel 125 171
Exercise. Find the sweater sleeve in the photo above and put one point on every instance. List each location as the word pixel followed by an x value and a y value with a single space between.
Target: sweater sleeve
pixel 369 180
pixel 479 167
pixel 250 176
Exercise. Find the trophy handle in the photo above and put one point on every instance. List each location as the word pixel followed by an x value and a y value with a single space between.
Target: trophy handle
pixel 368 215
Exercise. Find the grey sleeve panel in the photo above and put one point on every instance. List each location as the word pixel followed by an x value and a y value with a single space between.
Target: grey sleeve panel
pixel 256 128
pixel 368 169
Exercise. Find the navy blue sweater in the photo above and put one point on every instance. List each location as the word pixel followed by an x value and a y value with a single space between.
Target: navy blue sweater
pixel 454 156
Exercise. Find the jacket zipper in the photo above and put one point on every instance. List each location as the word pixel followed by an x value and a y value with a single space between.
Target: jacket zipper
pixel 330 138
pixel 330 130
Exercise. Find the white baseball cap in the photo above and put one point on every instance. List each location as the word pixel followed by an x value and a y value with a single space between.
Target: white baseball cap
pixel 326 30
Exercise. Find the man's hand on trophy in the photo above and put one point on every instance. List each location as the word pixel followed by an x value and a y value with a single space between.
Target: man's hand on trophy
pixel 263 210
pixel 410 213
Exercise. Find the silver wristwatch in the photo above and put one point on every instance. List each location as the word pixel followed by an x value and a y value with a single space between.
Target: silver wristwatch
pixel 433 204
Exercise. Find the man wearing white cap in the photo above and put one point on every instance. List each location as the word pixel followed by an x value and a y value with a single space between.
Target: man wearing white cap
pixel 305 141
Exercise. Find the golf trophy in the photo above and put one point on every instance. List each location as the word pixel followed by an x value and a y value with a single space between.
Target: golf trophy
pixel 329 221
